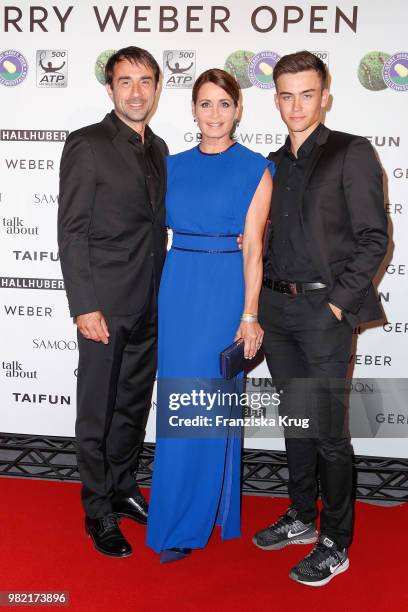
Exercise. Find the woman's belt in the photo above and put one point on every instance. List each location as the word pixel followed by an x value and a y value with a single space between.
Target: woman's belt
pixel 205 243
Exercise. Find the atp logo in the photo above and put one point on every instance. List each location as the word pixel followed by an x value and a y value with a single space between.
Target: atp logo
pixel 179 69
pixel 52 68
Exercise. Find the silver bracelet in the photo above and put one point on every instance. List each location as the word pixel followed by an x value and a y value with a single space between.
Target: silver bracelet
pixel 249 318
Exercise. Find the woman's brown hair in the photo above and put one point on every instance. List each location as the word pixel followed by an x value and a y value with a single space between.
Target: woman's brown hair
pixel 221 78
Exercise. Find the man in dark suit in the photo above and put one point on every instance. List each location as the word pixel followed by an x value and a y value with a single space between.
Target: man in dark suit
pixel 111 235
pixel 328 238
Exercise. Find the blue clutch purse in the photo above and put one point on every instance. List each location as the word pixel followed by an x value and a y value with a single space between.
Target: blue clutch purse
pixel 232 360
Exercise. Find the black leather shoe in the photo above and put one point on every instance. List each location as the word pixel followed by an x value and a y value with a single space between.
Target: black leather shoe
pixel 135 508
pixel 107 537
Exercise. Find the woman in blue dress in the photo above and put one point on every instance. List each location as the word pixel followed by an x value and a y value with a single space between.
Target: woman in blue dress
pixel 208 297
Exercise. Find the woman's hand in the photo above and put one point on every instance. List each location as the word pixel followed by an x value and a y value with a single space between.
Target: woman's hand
pixel 252 335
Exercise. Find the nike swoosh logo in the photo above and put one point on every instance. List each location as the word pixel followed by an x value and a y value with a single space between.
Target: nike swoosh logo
pixel 334 567
pixel 298 533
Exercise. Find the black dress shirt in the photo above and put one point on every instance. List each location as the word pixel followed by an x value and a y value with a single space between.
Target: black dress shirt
pixel 288 255
pixel 145 155
pixel 111 217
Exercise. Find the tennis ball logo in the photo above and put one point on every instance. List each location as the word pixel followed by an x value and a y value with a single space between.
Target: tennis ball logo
pixel 251 69
pixel 237 64
pixel 395 72
pixel 100 64
pixel 266 69
pixel 370 70
pixel 13 68
pixel 10 67
pixel 401 70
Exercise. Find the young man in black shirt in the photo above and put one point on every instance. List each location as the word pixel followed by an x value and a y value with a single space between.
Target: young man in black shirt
pixel 328 238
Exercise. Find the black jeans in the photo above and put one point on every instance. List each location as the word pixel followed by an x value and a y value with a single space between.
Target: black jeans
pixel 307 347
pixel 115 384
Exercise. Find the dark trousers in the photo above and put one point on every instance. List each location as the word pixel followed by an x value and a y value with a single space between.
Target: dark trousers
pixel 306 347
pixel 115 384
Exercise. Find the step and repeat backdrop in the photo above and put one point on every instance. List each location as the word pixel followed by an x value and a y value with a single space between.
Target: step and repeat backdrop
pixel 52 56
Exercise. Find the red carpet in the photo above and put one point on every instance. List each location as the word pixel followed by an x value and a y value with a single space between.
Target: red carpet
pixel 43 547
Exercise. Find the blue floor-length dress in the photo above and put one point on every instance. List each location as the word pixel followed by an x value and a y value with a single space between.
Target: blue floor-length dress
pixel 196 481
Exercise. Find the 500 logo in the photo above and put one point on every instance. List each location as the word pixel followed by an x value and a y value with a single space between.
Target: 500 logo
pixel 178 69
pixel 52 68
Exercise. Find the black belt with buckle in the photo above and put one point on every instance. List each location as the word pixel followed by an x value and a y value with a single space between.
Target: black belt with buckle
pixel 292 288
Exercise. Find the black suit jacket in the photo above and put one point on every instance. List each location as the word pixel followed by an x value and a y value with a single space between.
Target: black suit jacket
pixel 112 240
pixel 344 221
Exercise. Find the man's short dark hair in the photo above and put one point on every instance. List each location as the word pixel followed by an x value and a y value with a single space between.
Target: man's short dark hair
pixel 136 55
pixel 300 62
